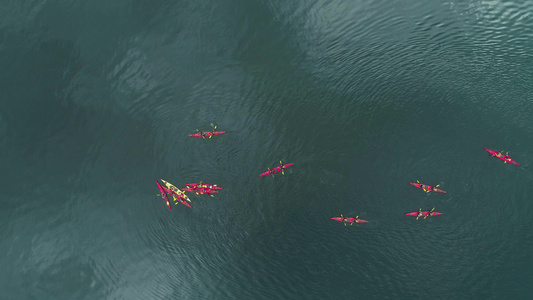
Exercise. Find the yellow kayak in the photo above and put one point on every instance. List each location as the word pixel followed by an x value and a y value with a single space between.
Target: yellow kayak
pixel 175 190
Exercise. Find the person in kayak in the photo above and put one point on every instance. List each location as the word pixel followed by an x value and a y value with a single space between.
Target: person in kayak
pixel 175 189
pixel 506 158
pixel 421 214
pixel 501 155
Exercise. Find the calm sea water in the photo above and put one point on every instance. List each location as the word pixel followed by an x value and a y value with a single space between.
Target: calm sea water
pixel 97 99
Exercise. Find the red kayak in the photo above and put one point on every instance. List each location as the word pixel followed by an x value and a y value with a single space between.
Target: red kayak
pixel 501 156
pixel 276 170
pixel 207 133
pixel 427 188
pixel 425 213
pixel 163 194
pixel 200 190
pixel 179 198
pixel 204 185
pixel 349 220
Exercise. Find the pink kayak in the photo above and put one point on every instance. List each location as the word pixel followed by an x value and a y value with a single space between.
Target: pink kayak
pixel 204 185
pixel 501 156
pixel 178 197
pixel 163 194
pixel 426 213
pixel 200 190
pixel 427 188
pixel 207 133
pixel 349 220
pixel 276 170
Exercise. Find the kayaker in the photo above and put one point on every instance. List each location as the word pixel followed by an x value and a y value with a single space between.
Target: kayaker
pixel 435 189
pixel 421 214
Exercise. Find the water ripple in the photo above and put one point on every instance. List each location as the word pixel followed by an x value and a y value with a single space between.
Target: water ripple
pixel 362 96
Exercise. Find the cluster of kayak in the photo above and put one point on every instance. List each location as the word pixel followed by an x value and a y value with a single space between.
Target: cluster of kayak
pixel 201 188
pixel 417 214
pixel 198 188
pixel 179 194
pixel 426 188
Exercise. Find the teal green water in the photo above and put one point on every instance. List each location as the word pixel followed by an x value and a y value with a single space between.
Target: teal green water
pixel 97 100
